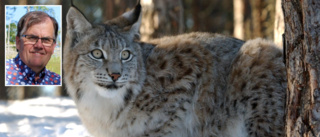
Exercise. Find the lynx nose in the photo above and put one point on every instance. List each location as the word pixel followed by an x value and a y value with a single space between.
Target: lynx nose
pixel 115 76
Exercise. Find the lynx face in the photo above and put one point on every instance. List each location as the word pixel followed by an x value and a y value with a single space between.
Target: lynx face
pixel 115 69
pixel 106 56
pixel 112 62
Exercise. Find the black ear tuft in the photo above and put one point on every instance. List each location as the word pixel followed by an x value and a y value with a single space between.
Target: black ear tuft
pixel 129 22
pixel 137 11
pixel 72 3
pixel 132 16
pixel 134 20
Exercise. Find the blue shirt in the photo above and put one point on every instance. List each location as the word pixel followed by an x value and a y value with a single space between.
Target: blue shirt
pixel 18 73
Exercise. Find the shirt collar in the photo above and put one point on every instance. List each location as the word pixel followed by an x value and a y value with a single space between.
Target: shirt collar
pixel 26 71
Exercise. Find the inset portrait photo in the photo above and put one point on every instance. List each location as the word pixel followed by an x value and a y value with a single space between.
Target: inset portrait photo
pixel 33 45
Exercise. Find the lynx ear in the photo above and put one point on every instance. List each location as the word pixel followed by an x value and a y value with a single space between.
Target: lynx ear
pixel 129 22
pixel 76 21
pixel 134 18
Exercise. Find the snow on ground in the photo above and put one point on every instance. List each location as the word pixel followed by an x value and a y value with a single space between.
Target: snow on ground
pixel 40 117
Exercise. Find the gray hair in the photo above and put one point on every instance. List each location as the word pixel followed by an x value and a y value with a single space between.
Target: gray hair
pixel 32 18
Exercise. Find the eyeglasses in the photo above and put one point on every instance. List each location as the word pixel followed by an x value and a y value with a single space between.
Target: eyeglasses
pixel 31 39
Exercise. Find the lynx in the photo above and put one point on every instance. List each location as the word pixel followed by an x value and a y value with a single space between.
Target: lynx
pixel 191 85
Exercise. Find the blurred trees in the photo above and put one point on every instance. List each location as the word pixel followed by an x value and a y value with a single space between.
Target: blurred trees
pixel 209 15
pixel 278 25
pixel 114 8
pixel 166 17
pixel 12 33
pixel 160 18
pixel 254 18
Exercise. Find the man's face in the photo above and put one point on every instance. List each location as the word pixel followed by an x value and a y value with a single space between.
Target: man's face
pixel 36 56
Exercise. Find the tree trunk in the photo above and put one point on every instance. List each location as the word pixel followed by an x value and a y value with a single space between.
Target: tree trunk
pixel 65 3
pixel 16 93
pixel 238 14
pixel 47 2
pixel 253 18
pixel 3 93
pixel 32 92
pixel 114 8
pixel 302 33
pixel 278 24
pixel 256 18
pixel 160 18
pixel 22 2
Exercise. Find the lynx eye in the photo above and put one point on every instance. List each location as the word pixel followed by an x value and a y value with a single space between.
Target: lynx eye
pixel 125 55
pixel 97 53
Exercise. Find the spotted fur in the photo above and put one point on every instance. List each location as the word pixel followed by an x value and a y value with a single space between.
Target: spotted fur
pixel 191 85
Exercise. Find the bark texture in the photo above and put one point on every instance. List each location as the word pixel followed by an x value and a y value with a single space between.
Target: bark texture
pixel 302 33
pixel 3 93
